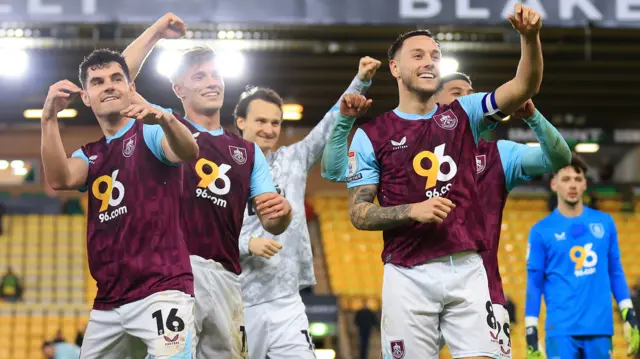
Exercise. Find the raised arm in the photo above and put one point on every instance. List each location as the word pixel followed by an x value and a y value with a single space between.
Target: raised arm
pixel 61 173
pixel 510 96
pixel 167 27
pixel 334 157
pixel 311 147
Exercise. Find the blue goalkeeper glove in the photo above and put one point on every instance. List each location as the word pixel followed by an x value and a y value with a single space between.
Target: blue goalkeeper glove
pixel 533 352
pixel 631 332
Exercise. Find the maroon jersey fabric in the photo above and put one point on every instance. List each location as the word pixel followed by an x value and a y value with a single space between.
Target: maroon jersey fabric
pixel 493 187
pixel 134 241
pixel 420 159
pixel 212 207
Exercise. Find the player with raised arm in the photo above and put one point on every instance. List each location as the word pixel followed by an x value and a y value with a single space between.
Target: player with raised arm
pixel 419 160
pixel 229 173
pixel 135 247
pixel 573 259
pixel 277 325
pixel 501 166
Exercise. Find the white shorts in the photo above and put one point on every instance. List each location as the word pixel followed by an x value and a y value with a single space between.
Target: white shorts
pixel 219 318
pixel 502 331
pixel 160 325
pixel 279 329
pixel 448 295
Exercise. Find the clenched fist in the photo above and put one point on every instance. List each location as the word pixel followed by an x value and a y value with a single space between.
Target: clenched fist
pixel 354 105
pixel 433 210
pixel 170 27
pixel 525 111
pixel 526 21
pixel 272 206
pixel 264 247
pixel 367 68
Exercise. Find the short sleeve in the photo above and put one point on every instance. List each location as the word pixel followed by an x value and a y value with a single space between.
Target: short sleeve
pixel 479 107
pixel 261 180
pixel 153 135
pixel 80 154
pixel 363 168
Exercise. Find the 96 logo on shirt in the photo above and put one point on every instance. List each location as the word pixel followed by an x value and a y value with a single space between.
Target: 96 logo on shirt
pixel 434 172
pixel 585 259
pixel 107 196
pixel 210 177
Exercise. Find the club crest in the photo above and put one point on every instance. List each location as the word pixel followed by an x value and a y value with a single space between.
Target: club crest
pixel 238 154
pixel 446 120
pixel 128 146
pixel 481 163
pixel 597 229
pixel 397 349
pixel 353 163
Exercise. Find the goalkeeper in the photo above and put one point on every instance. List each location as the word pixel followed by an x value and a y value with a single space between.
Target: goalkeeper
pixel 573 260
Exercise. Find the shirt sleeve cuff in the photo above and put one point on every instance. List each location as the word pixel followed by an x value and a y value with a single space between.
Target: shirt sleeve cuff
pixel 625 303
pixel 531 322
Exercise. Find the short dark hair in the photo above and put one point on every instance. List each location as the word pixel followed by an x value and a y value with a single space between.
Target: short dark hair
pixel 46 344
pixel 99 59
pixel 453 77
pixel 255 93
pixel 578 164
pixel 194 56
pixel 397 45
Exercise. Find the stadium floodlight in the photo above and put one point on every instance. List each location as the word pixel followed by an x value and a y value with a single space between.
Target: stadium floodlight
pixel 587 147
pixel 13 62
pixel 448 65
pixel 230 63
pixel 17 164
pixel 4 164
pixel 22 171
pixel 292 111
pixel 325 353
pixel 37 113
pixel 168 62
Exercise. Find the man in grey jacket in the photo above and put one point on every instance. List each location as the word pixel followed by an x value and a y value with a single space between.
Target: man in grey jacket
pixel 275 268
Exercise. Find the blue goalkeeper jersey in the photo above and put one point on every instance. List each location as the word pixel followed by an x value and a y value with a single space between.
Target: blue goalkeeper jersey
pixel 575 264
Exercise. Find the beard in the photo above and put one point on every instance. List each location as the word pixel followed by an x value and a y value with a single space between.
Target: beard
pixel 409 82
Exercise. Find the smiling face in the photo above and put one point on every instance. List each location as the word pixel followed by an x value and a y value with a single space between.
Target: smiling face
pixel 262 123
pixel 107 90
pixel 200 87
pixel 416 65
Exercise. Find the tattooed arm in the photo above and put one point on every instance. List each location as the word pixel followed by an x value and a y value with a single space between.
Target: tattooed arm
pixel 367 216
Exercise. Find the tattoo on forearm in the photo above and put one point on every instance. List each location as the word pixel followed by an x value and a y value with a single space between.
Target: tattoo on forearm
pixel 365 215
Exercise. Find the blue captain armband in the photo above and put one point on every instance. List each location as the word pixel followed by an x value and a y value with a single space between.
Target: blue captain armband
pixel 490 108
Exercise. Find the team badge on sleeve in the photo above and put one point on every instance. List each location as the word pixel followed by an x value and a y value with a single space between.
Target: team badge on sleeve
pixel 397 349
pixel 238 154
pixel 128 146
pixel 597 229
pixel 353 163
pixel 481 163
